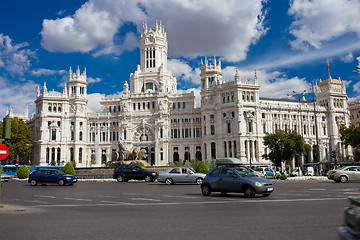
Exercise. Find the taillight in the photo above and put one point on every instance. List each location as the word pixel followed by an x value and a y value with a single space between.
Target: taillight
pixel 332 172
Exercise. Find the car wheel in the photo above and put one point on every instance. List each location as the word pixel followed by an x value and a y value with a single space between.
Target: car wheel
pixel 61 182
pixel 199 180
pixel 120 178
pixel 169 181
pixel 266 194
pixel 249 192
pixel 148 178
pixel 343 179
pixel 205 190
pixel 33 182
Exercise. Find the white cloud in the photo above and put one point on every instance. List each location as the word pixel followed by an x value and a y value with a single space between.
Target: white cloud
pixel 348 58
pixel 94 102
pixel 93 25
pixel 47 72
pixel 93 80
pixel 14 57
pixel 181 69
pixel 272 84
pixel 191 26
pixel 17 95
pixel 318 21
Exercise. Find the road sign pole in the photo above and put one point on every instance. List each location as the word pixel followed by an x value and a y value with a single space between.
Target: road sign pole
pixel 1 171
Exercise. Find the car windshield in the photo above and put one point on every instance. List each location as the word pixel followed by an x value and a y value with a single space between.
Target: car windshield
pixel 243 172
pixel 142 167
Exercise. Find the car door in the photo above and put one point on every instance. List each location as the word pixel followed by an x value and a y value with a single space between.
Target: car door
pixel 188 175
pixel 351 172
pixel 357 173
pixel 50 176
pixel 137 173
pixel 228 181
pixel 174 174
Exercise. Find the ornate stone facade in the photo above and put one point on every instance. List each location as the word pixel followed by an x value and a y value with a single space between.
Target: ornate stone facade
pixel 152 115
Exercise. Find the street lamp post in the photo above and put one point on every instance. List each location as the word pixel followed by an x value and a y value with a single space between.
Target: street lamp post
pixel 316 126
pixel 299 96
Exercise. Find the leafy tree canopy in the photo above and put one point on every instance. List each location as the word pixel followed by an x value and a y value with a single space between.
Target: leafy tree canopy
pixel 20 142
pixel 350 136
pixel 283 146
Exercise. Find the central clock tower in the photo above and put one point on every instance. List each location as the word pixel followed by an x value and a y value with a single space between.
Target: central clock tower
pixel 153 48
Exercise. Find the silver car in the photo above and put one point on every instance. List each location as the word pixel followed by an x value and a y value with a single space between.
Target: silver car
pixel 5 177
pixel 345 174
pixel 180 175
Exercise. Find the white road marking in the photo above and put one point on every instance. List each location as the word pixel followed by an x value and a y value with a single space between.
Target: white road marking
pixel 318 189
pixel 195 203
pixel 170 196
pixel 145 199
pixel 79 199
pixel 107 196
pixel 351 193
pixel 120 203
pixel 43 196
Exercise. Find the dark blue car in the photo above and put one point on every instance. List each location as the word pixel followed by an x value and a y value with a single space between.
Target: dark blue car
pixel 56 176
pixel 235 179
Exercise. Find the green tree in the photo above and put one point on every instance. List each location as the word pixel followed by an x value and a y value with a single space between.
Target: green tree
pixel 20 142
pixel 351 136
pixel 284 146
pixel 23 172
pixel 202 167
pixel 69 169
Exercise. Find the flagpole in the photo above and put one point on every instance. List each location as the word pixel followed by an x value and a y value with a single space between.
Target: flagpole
pixel 328 67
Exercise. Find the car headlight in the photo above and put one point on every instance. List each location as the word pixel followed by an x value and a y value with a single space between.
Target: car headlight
pixel 68 178
pixel 258 184
pixel 153 173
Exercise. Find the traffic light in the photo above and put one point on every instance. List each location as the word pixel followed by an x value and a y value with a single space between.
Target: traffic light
pixel 6 128
pixel 333 154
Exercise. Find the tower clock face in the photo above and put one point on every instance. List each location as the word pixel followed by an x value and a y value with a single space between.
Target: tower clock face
pixel 151 39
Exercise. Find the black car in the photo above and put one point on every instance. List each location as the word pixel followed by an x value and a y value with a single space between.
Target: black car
pixel 124 173
pixel 56 176
pixel 351 229
pixel 235 179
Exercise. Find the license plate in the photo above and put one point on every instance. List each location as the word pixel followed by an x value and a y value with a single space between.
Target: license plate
pixel 270 189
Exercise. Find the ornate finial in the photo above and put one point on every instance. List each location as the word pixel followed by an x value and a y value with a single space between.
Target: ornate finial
pixel 126 88
pixel 44 88
pixel 255 77
pixel 38 91
pixel 78 71
pixel 237 76
pixel 84 73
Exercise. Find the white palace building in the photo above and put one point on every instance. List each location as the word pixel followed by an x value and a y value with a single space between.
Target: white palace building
pixel 151 114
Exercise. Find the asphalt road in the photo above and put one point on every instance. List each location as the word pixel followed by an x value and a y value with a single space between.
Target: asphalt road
pixel 139 210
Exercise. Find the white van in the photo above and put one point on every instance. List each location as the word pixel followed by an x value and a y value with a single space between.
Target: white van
pixel 309 171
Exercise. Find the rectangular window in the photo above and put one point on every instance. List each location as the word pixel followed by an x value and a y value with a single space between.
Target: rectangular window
pixel 184 104
pixel 53 135
pixel 212 129
pixel 72 136
pixel 80 155
pixel 229 127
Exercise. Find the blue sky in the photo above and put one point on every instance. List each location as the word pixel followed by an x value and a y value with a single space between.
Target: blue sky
pixel 287 42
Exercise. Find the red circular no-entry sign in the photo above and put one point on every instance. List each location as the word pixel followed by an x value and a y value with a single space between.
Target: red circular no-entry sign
pixel 17 164
pixel 4 152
